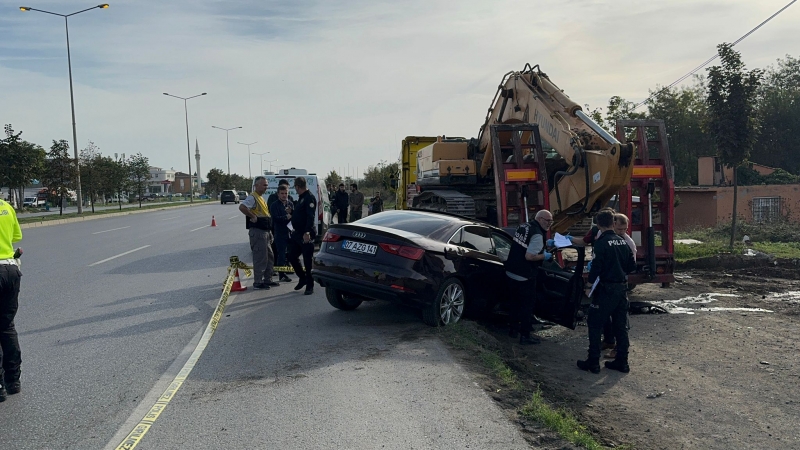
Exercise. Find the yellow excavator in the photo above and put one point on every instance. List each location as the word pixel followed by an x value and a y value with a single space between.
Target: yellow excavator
pixel 536 149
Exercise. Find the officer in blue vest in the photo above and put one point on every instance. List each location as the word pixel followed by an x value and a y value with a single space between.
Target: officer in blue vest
pixel 526 255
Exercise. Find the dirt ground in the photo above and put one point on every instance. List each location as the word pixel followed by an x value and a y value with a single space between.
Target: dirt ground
pixel 720 370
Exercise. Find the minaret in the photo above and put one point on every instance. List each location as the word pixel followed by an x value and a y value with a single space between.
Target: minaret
pixel 197 165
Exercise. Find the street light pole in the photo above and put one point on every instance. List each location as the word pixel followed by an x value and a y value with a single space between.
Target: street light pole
pixel 227 146
pixel 270 164
pixel 261 155
pixel 249 170
pixel 71 96
pixel 188 149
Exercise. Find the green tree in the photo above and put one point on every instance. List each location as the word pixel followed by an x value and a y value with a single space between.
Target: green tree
pixel 732 113
pixel 90 176
pixel 59 173
pixel 217 182
pixel 333 179
pixel 20 162
pixel 139 174
pixel 779 117
pixel 685 114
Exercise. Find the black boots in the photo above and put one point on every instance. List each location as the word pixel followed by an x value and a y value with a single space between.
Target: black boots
pixel 617 364
pixel 284 277
pixel 3 394
pixel 301 282
pixel 592 365
pixel 309 286
pixel 13 388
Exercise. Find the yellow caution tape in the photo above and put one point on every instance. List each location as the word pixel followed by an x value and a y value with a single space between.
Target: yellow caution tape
pixel 140 430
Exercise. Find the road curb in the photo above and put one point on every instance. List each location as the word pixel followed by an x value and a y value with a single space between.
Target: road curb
pixel 48 223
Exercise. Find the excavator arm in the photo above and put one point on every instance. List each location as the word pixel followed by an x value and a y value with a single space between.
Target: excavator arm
pixel 597 164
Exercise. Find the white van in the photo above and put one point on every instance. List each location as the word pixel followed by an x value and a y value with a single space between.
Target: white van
pixel 315 184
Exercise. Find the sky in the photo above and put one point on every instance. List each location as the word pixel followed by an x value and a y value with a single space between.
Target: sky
pixel 336 85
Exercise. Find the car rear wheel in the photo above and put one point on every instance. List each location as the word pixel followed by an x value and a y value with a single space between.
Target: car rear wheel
pixel 338 300
pixel 448 307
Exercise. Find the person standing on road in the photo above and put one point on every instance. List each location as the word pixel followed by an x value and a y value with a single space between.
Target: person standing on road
pixel 356 203
pixel 526 255
pixel 621 230
pixel 259 226
pixel 281 212
pixel 304 231
pixel 612 262
pixel 342 204
pixel 10 277
pixel 270 200
pixel 376 204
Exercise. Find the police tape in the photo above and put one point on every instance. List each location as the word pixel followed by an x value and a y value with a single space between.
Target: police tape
pixel 140 430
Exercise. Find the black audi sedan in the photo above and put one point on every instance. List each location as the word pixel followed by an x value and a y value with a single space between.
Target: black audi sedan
pixel 448 265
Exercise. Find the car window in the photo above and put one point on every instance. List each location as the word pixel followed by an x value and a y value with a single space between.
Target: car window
pixel 502 245
pixel 422 224
pixel 456 239
pixel 476 238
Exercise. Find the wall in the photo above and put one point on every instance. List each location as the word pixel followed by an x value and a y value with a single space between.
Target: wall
pixel 697 208
pixel 789 194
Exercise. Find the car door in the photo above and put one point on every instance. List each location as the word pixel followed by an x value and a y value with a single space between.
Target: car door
pixel 477 264
pixel 559 292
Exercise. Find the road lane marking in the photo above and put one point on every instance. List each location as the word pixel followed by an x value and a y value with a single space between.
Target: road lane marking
pixel 117 256
pixel 229 218
pixel 170 218
pixel 206 226
pixel 113 229
pixel 143 426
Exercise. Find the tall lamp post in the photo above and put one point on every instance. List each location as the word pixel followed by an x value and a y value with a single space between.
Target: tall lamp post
pixel 261 155
pixel 71 96
pixel 249 170
pixel 227 146
pixel 270 164
pixel 188 149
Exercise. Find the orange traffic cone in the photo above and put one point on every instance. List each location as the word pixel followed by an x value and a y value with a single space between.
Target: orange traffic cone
pixel 213 222
pixel 237 285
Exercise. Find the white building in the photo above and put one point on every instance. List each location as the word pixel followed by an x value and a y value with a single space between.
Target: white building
pixel 160 180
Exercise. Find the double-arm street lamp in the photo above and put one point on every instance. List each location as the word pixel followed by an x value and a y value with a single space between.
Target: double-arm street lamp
pixel 249 170
pixel 227 146
pixel 71 96
pixel 188 149
pixel 262 160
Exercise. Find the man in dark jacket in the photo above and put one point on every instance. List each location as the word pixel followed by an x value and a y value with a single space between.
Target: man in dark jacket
pixel 281 211
pixel 303 234
pixel 612 262
pixel 526 255
pixel 342 200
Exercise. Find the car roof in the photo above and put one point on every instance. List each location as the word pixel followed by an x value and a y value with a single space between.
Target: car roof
pixel 452 221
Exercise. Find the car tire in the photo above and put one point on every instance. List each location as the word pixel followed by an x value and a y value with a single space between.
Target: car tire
pixel 221 203
pixel 448 306
pixel 337 299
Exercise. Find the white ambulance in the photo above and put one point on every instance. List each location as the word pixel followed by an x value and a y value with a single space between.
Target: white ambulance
pixel 315 184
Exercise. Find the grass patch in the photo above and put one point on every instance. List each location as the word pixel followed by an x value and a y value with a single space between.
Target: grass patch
pixel 559 420
pixel 781 240
pixel 87 212
pixel 498 367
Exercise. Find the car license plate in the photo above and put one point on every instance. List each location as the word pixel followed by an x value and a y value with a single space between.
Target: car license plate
pixel 360 247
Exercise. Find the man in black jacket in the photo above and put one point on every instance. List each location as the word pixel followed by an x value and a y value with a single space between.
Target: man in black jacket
pixel 612 262
pixel 281 212
pixel 342 203
pixel 303 234
pixel 526 255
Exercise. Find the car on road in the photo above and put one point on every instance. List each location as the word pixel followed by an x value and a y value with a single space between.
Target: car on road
pixel 33 202
pixel 447 265
pixel 242 195
pixel 228 195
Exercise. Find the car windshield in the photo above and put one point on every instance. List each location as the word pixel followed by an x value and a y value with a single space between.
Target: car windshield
pixel 420 223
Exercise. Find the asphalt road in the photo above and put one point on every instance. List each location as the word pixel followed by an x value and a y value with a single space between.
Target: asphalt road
pixel 111 309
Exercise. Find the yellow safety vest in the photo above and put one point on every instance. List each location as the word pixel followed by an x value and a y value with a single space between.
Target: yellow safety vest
pixel 261 209
pixel 9 230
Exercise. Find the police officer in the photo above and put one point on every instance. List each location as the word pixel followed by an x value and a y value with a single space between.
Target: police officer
pixel 612 261
pixel 10 354
pixel 301 241
pixel 526 255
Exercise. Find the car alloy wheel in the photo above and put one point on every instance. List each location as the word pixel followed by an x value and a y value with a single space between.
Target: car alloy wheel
pixel 448 307
pixel 338 300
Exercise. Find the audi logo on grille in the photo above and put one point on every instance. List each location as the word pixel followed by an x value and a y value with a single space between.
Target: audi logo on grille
pixel 359 234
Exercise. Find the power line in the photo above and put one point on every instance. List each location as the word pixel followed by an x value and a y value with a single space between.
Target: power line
pixel 711 59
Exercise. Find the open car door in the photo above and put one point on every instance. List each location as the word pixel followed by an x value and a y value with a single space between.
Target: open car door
pixel 559 292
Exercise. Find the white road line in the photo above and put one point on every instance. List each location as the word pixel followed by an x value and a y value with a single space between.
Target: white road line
pixel 170 218
pixel 206 226
pixel 113 229
pixel 229 218
pixel 117 256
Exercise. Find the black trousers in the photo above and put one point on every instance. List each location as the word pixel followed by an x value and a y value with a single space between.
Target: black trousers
pixel 298 248
pixel 524 297
pixel 609 300
pixel 342 215
pixel 10 354
pixel 281 244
